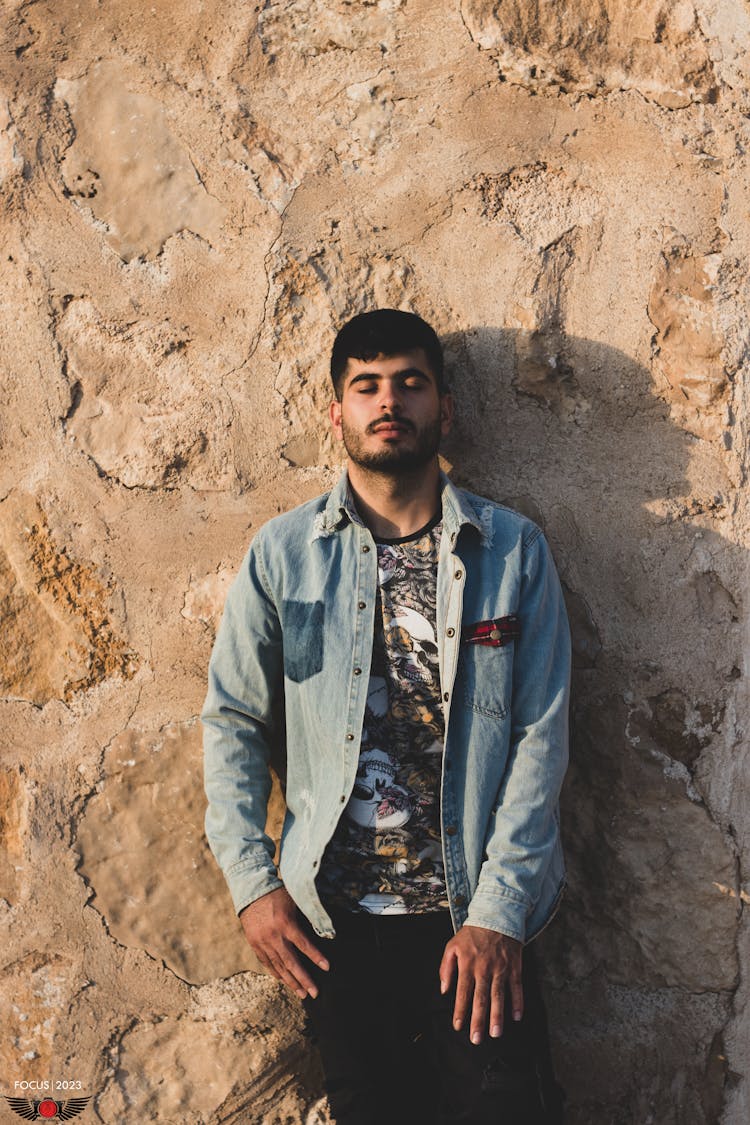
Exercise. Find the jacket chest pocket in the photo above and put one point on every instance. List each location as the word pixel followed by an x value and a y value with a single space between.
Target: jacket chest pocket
pixel 484 679
pixel 303 639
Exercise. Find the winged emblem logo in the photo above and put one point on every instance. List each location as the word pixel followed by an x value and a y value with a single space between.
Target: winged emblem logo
pixel 48 1108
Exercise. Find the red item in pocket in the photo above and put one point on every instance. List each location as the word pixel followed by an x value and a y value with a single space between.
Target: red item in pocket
pixel 497 632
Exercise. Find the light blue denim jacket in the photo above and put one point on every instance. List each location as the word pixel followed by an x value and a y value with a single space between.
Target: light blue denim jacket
pixel 292 661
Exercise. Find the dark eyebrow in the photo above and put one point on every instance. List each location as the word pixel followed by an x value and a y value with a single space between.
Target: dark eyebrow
pixel 406 373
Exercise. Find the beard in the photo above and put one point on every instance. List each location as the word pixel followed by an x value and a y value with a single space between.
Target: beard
pixel 393 461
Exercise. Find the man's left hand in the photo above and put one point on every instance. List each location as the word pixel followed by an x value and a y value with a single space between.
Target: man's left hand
pixel 487 964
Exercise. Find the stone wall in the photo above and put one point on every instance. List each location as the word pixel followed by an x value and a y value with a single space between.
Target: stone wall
pixel 194 196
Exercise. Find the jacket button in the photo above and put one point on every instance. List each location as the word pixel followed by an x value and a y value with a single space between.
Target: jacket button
pixel 350 738
pixel 450 632
pixel 365 549
pixel 357 671
pixel 459 900
pixel 446 696
pixel 361 605
pixel 451 830
pixel 342 798
pixel 459 574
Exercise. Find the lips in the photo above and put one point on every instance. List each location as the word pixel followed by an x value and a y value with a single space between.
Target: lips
pixel 391 429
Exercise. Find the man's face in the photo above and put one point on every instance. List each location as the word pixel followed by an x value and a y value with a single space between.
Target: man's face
pixel 391 416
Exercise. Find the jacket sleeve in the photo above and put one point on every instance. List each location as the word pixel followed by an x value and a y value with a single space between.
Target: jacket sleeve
pixel 524 830
pixel 245 680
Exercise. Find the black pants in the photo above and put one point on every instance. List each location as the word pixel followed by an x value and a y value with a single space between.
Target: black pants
pixel 386 1038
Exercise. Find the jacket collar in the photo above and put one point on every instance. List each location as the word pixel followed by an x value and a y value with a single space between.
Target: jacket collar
pixel 458 510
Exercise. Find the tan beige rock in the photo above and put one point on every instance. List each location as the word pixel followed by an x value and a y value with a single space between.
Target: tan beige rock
pixel 541 204
pixel 194 197
pixel 659 50
pixel 632 864
pixel 60 637
pixel 145 856
pixel 129 169
pixel 32 668
pixel 142 851
pixel 13 823
pixel 178 1068
pixel 12 812
pixel 226 1062
pixel 34 990
pixel 204 597
pixel 10 159
pixel 688 344
pixel 134 408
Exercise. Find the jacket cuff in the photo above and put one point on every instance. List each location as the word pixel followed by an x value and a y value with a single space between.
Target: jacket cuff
pixel 248 882
pixel 493 910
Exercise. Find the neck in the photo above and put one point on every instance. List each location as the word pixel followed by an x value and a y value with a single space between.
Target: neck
pixel 395 506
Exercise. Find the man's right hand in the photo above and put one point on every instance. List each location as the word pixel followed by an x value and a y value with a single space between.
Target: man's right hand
pixel 273 929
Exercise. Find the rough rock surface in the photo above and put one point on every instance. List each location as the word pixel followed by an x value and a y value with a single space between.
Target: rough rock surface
pixel 194 196
pixel 197 1067
pixel 144 853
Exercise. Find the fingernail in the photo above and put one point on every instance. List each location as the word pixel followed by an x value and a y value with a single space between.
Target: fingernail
pixel 443 987
pixel 301 993
pixel 324 965
pixel 517 1016
pixel 457 1025
pixel 496 1031
pixel 476 1037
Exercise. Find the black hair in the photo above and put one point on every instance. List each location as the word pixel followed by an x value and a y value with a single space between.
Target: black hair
pixel 384 332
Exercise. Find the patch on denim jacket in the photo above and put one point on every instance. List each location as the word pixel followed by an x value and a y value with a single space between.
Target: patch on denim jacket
pixel 498 631
pixel 302 626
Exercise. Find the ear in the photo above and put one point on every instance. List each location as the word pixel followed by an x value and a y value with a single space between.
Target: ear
pixel 446 413
pixel 334 413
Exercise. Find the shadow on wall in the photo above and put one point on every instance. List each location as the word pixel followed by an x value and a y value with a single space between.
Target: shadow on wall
pixel 641 964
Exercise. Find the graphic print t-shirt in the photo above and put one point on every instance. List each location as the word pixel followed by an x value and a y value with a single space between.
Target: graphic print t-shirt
pixel 385 856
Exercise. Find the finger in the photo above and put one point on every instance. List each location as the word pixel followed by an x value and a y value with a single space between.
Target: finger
pixel 264 951
pixel 516 992
pixel 262 957
pixel 479 1010
pixel 497 1006
pixel 267 964
pixel 446 970
pixel 464 989
pixel 281 971
pixel 271 964
pixel 297 969
pixel 303 943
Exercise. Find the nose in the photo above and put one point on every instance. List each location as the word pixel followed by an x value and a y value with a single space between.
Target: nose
pixel 390 401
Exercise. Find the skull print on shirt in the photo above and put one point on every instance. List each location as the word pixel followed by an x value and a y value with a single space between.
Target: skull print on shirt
pixel 385 855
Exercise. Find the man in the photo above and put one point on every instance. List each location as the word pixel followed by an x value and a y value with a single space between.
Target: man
pixel 409 643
